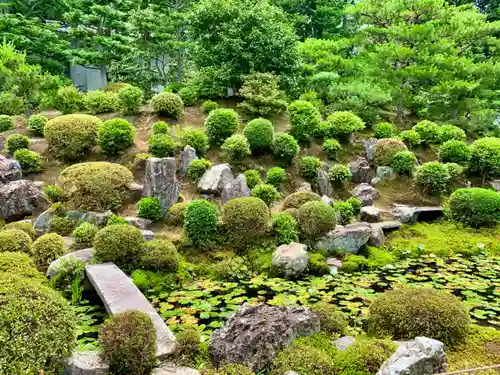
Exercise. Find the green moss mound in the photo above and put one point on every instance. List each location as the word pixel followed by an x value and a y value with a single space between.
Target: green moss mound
pixel 21 265
pixel 297 199
pixel 475 207
pixel 22 225
pixel 175 214
pixel 331 320
pixel 46 249
pixel 385 149
pixel 15 240
pixel 315 219
pixel 168 104
pixel 246 218
pixel 160 255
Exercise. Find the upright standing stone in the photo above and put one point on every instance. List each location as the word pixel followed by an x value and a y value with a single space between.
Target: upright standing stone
pixel 237 188
pixel 369 148
pixel 361 170
pixel 366 194
pixel 187 156
pixel 161 181
pixel 215 179
pixel 323 183
pixel 19 199
pixel 10 170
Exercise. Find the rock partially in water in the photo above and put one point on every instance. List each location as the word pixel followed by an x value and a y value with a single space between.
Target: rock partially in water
pixel 290 260
pixel 349 238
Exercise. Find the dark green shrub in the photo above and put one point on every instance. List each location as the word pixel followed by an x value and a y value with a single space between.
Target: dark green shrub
pixel 261 94
pixel 305 119
pixel 475 207
pixel 25 226
pixel 428 131
pixel 355 204
pixel 72 136
pixel 332 148
pixel 260 134
pixel 485 157
pixel 201 221
pixel 187 344
pixel 454 170
pixel 285 229
pixel 16 142
pixel 246 218
pixel 384 130
pixel 339 174
pixel 36 123
pixel 119 244
pixel 432 177
pixel 330 318
pixel 159 256
pixel 209 106
pixel 309 167
pixel 84 235
pixel 161 145
pixel 11 104
pixel 409 312
pixel 21 265
pixel 342 124
pixel 61 225
pixel 53 193
pixel 236 148
pixel 315 219
pixel 221 124
pixel 188 95
pixel 410 137
pixel 267 193
pixel 70 271
pixel 253 178
pixel 30 161
pixel 197 139
pixel 6 123
pixel 404 162
pixel 276 176
pixel 100 101
pixel 32 310
pixel 160 127
pixel 96 186
pixel 317 265
pixel 197 169
pixel 454 151
pixel 168 104
pixel 298 198
pixel 450 132
pixel 130 99
pixel 285 148
pixel 115 136
pixel 68 99
pixel 15 240
pixel 176 213
pixel 344 211
pixel 116 220
pixel 149 208
pixel 46 249
pixel 385 149
pixel 128 343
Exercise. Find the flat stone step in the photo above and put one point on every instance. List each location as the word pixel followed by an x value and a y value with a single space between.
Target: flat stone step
pixel 119 294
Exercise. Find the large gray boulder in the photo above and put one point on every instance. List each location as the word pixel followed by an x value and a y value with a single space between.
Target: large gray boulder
pixel 236 188
pixel 161 181
pixel 10 170
pixel 370 214
pixel 19 199
pixel 138 222
pixel 291 259
pixel 410 214
pixel 253 335
pixel 187 157
pixel 323 183
pixel 85 256
pixel 361 171
pixel 366 194
pixel 85 363
pixel 215 179
pixel 97 218
pixel 422 356
pixel 349 238
pixel 377 236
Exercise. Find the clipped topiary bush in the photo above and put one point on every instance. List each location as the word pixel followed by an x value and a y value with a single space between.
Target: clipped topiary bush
pixel 267 193
pixel 342 124
pixel 6 123
pixel 485 157
pixel 119 244
pixel 345 212
pixel 410 137
pixel 36 124
pixel 161 145
pixel 72 136
pixel 404 162
pixel 285 148
pixel 11 104
pixel 332 148
pixel 160 127
pixel 115 136
pixel 236 148
pixel 209 106
pixel 285 228
pixel 454 151
pixel 98 101
pixel 261 94
pixel 476 207
pixel 432 177
pixel 130 99
pixel 16 142
pixel 168 104
pixel 260 134
pixel 159 256
pixel 330 318
pixel 428 131
pixel 339 174
pixel 276 176
pixel 176 213
pixel 116 220
pixel 409 312
pixel 221 124
pixel 297 199
pixel 197 139
pixel 96 186
pixel 246 218
pixel 46 249
pixel 25 226
pixel 187 344
pixel 53 193
pixel 128 343
pixel 305 119
pixel 15 240
pixel 149 208
pixel 385 149
pixel 62 225
pixel 384 130
pixel 197 169
pixel 253 178
pixel 355 204
pixel 309 167
pixel 68 99
pixel 84 235
pixel 21 265
pixel 454 170
pixel 364 356
pixel 30 161
pixel 115 86
pixel 201 221
pixel 315 219
pixel 37 327
pixel 189 95
pixel 450 132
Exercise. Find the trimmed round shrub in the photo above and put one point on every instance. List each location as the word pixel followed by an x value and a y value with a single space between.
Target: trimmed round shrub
pixel 6 123
pixel 15 240
pixel 168 104
pixel 428 131
pixel 285 148
pixel 149 208
pixel 315 219
pixel 345 212
pixel 385 149
pixel 11 104
pixel 339 174
pixel 209 106
pixel 309 167
pixel 454 170
pixel 20 265
pixel 201 221
pixel 276 176
pixel 406 313
pixel 449 132
pixel 253 178
pixel 176 213
pixel 236 148
pixel 25 226
pixel 188 95
pixel 30 161
pixel 128 343
pixel 344 123
pixel 36 124
pixel 260 134
pixel 285 228
pixel 98 101
pixel 332 148
pixel 62 225
pixel 187 344
pixel 16 142
pixel 46 249
pixel 130 99
pixel 72 136
pixel 305 119
pixel 485 157
pixel 115 136
pixel 355 204
pixel 96 186
pixel 84 234
pixel 37 327
pixel 432 177
pixel 119 244
pixel 161 145
pixel 197 139
pixel 364 356
pixel 116 220
pixel 404 162
pixel 68 99
pixel 246 218
pixel 197 169
pixel 160 256
pixel 454 151
pixel 297 199
pixel 330 318
pixel 476 207
pixel 384 130
pixel 160 127
pixel 410 137
pixel 53 193
pixel 267 193
pixel 221 124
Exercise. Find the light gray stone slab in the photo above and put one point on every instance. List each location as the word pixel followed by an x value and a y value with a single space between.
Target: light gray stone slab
pixel 84 255
pixel 85 363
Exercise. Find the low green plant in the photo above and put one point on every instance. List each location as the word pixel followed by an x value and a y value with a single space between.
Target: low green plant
pixel 454 170
pixel 68 99
pixel 197 139
pixel 450 132
pixel 332 148
pixel 161 145
pixel 36 124
pixel 168 104
pixel 485 157
pixel 331 320
pixel 116 220
pixel 339 174
pixel 355 204
pixel 267 193
pixel 404 162
pixel 6 123
pixel 149 208
pixel 345 212
pixel 11 104
pixel 384 130
pixel 253 178
pixel 98 101
pixel 187 346
pixel 432 178
pixel 246 218
pixel 130 99
pixel 285 148
pixel 476 207
pixel 454 151
pixel 209 106
pixel 309 167
pixel 201 221
pixel 344 123
pixel 317 266
pixel 285 228
pixel 315 219
pixel 115 136
pixel 385 149
pixel 176 213
pixel 62 225
pixel 260 134
pixel 46 249
pixel 428 131
pixel 54 193
pixel 276 176
pixel 160 256
pixel 15 240
pixel 25 226
pixel 20 265
pixel 160 127
pixel 410 137
pixel 221 124
pixel 236 148
pixel 304 118
pixel 189 95
pixel 84 234
pixel 297 199
pixel 16 142
pixel 197 169
pixel 30 161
